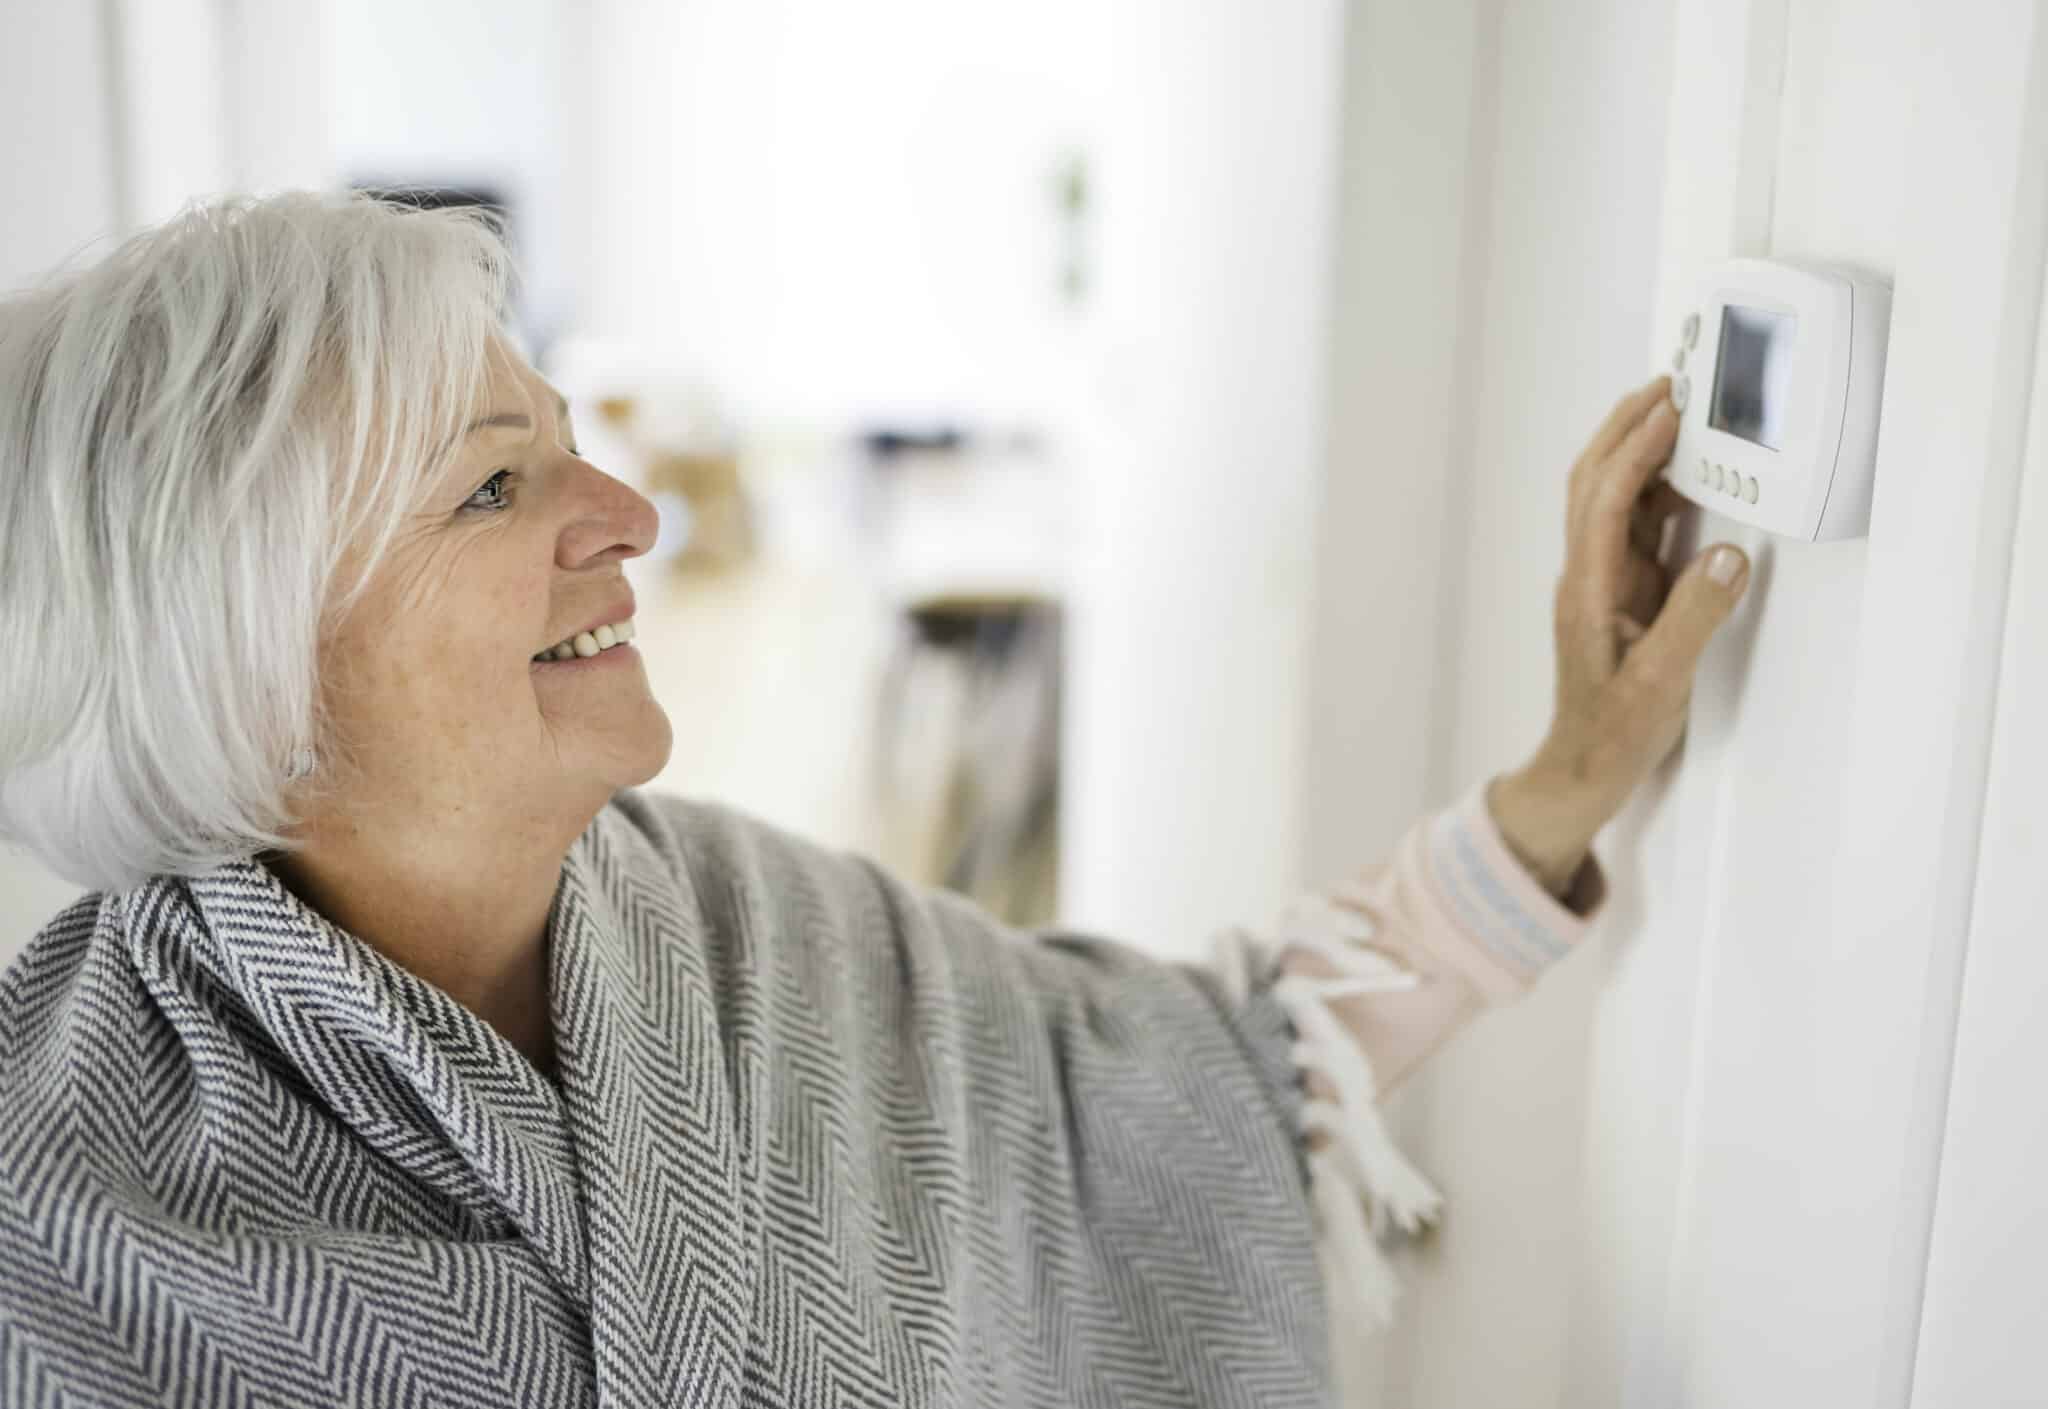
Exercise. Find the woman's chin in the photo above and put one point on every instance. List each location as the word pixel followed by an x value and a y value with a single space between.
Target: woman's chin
pixel 639 749
pixel 621 737
pixel 625 755
pixel 654 748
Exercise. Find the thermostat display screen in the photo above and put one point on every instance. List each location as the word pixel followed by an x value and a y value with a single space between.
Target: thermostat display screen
pixel 1750 378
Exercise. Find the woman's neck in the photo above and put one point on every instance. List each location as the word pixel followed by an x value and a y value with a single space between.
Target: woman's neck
pixel 465 911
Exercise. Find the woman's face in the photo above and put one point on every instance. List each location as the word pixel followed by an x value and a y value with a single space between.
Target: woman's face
pixel 433 681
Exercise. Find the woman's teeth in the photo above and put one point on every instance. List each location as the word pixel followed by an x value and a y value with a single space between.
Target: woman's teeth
pixel 589 643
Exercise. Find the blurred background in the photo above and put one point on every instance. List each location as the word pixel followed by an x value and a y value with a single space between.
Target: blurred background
pixel 974 354
pixel 1112 461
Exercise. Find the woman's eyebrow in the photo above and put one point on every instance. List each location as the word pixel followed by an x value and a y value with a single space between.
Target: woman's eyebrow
pixel 511 420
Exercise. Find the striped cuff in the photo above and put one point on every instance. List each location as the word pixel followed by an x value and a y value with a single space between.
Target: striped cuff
pixel 1514 927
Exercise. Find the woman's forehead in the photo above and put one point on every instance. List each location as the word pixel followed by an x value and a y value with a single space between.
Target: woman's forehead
pixel 513 387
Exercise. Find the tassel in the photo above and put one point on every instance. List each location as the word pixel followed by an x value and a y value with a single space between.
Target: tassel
pixel 1396 1191
pixel 1362 1186
pixel 1362 1283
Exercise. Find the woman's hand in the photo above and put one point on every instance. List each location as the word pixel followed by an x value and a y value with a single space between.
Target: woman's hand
pixel 1628 640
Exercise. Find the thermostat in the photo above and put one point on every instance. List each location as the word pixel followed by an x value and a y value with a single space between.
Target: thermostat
pixel 1778 376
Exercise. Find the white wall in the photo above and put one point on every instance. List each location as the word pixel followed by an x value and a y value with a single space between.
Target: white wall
pixel 1699 1164
pixel 1729 859
pixel 1416 135
pixel 60 186
pixel 833 210
pixel 1969 256
pixel 1413 167
pixel 1554 312
pixel 60 194
pixel 1195 594
pixel 454 93
pixel 842 213
pixel 171 84
pixel 1985 1320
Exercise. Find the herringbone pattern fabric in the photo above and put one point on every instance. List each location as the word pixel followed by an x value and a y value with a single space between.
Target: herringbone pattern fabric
pixel 819 1139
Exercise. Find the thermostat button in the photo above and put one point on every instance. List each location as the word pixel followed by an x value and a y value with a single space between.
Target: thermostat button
pixel 1681 391
pixel 1720 477
pixel 1678 359
pixel 1690 333
pixel 1749 490
pixel 1705 471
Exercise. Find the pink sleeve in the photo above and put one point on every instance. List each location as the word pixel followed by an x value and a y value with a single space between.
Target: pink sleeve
pixel 1375 974
pixel 1456 909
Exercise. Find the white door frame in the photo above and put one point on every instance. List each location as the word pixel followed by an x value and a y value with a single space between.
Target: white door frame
pixel 1926 660
pixel 1983 1321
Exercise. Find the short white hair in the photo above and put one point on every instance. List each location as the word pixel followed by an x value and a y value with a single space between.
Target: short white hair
pixel 197 433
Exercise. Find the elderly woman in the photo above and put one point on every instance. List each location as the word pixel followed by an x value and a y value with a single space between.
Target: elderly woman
pixel 407 1054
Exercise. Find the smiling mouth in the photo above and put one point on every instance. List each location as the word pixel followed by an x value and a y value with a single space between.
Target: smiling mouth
pixel 589 643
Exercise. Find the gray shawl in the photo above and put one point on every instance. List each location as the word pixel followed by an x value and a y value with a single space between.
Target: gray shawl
pixel 819 1138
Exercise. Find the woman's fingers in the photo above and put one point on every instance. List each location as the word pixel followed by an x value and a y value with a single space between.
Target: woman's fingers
pixel 1628 413
pixel 1647 587
pixel 1611 501
pixel 1659 504
pixel 1628 636
pixel 1635 462
pixel 1662 663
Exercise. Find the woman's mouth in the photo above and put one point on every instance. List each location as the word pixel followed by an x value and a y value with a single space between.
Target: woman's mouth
pixel 585 644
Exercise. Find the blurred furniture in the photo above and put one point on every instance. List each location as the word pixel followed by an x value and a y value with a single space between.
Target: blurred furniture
pixel 967 748
pixel 967 529
pixel 687 461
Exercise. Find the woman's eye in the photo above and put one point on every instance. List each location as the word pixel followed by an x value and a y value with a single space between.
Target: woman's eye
pixel 491 493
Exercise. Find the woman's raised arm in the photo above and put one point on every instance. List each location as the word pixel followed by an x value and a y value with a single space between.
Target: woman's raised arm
pixel 1377 972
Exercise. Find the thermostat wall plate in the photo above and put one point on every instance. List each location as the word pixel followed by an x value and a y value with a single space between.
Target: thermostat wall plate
pixel 1778 376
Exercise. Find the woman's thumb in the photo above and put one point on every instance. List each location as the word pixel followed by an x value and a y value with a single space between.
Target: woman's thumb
pixel 1702 598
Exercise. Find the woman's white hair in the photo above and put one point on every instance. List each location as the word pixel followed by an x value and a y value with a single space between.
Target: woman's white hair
pixel 207 440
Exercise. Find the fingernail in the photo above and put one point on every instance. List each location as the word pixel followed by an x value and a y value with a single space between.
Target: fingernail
pixel 1723 566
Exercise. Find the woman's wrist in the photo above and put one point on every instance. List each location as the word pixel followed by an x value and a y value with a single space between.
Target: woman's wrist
pixel 1547 822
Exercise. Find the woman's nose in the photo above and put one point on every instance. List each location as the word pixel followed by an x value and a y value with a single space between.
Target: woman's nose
pixel 610 519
